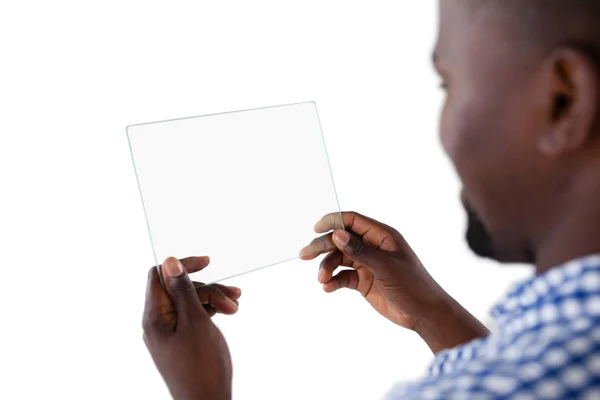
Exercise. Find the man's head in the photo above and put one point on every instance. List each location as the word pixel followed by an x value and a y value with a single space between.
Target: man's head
pixel 521 116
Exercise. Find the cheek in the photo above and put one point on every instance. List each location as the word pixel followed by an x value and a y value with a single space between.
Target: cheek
pixel 448 133
pixel 471 134
pixel 458 134
pixel 486 141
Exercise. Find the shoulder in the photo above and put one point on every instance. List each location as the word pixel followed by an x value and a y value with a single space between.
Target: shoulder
pixel 553 362
pixel 529 381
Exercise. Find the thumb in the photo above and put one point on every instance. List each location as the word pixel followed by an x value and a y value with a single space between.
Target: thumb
pixel 181 289
pixel 357 250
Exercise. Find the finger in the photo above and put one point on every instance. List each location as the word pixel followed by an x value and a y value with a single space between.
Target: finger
pixel 182 292
pixel 354 222
pixel 317 247
pixel 357 250
pixel 213 296
pixel 195 264
pixel 159 311
pixel 234 293
pixel 330 263
pixel 345 279
pixel 331 222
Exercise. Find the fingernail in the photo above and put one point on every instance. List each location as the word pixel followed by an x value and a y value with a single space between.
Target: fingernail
pixel 341 237
pixel 320 274
pixel 173 267
pixel 236 290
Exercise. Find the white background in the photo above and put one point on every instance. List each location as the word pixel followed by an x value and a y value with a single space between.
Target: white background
pixel 74 244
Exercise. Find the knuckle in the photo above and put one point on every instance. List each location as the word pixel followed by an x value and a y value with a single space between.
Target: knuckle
pixel 328 221
pixel 209 294
pixel 220 288
pixel 324 242
pixel 356 214
pixel 210 288
pixel 200 285
pixel 333 220
pixel 393 232
pixel 323 264
pixel 314 243
pixel 210 310
pixel 179 287
pixel 158 321
pixel 216 295
pixel 345 280
pixel 318 244
pixel 359 249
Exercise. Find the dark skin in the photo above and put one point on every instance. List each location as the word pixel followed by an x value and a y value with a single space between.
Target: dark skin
pixel 525 145
pixel 525 142
pixel 192 356
pixel 391 278
pixel 187 348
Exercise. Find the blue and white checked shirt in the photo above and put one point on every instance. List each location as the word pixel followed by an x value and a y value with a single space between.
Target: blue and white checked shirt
pixel 547 345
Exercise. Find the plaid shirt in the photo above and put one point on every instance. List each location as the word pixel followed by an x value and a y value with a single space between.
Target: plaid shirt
pixel 546 346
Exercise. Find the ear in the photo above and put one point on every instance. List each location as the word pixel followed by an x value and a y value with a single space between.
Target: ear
pixel 573 82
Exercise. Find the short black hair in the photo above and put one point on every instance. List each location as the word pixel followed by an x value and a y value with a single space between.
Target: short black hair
pixel 548 24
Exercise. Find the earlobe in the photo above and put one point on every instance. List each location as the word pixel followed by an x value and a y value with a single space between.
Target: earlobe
pixel 574 105
pixel 552 143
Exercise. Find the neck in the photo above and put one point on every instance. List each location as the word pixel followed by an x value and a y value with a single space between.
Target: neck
pixel 572 241
pixel 573 234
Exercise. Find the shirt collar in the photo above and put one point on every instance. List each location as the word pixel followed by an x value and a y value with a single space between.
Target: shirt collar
pixel 577 279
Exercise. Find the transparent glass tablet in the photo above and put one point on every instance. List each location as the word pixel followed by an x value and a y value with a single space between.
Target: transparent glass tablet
pixel 244 187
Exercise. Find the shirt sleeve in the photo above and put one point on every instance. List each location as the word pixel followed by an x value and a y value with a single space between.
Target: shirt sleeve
pixel 516 381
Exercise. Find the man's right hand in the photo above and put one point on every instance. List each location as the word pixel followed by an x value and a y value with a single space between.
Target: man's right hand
pixel 389 275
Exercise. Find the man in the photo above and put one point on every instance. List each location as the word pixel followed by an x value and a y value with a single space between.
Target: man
pixel 521 124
